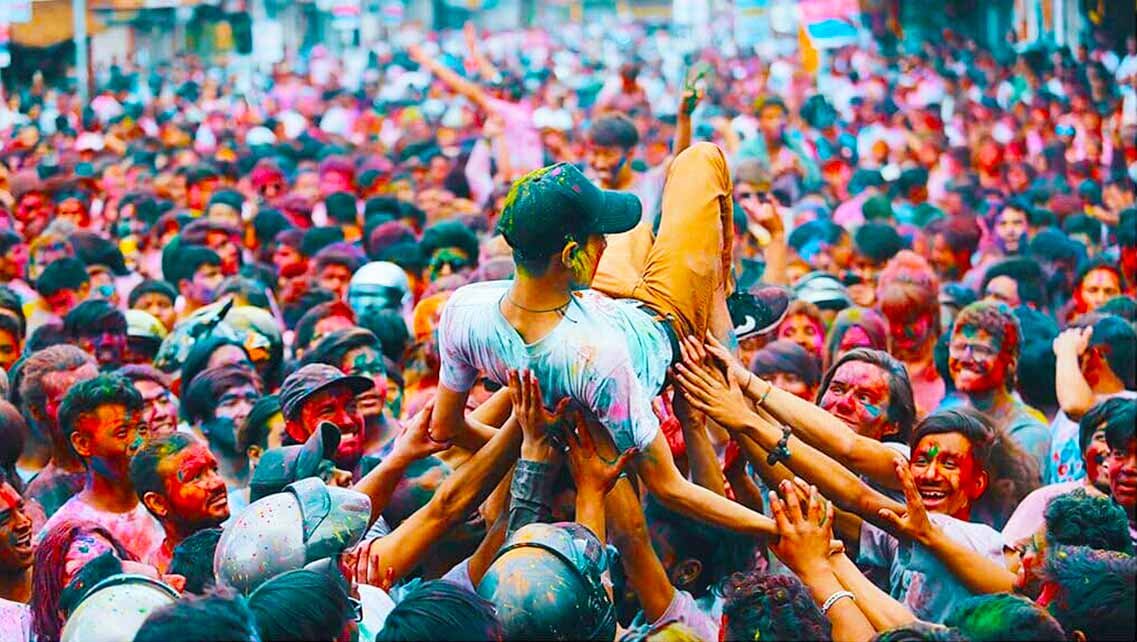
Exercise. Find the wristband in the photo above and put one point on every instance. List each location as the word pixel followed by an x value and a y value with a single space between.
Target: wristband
pixel 769 387
pixel 833 599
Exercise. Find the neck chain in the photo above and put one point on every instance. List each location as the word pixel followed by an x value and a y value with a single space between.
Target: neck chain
pixel 559 309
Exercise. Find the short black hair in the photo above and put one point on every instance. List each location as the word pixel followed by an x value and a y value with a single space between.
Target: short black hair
pixel 1027 274
pixel 1118 341
pixel 391 330
pixel 819 229
pixel 878 241
pixel 786 356
pixel 193 560
pixel 189 259
pixel 93 316
pixel 199 401
pixel 1121 426
pixel 202 351
pixel 317 238
pixel 301 604
pixel 254 431
pixel 252 291
pixel 1095 592
pixel 438 609
pixel 85 396
pixel 331 348
pixel 969 423
pixel 450 234
pixel 67 273
pixel 218 616
pixel 306 326
pixel 151 286
pixel 10 302
pixel 1096 418
pixel 614 130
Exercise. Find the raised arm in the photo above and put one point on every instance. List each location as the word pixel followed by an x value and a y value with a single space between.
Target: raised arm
pixel 645 573
pixel 811 424
pixel 594 469
pixel 411 445
pixel 392 556
pixel 705 470
pixel 1074 393
pixel 470 90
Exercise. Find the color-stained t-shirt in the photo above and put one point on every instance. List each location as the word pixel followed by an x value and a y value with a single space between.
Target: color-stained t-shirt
pixel 136 529
pixel 609 355
pixel 1065 461
pixel 916 577
pixel 53 486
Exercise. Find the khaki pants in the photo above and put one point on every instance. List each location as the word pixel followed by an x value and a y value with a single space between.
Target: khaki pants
pixel 684 272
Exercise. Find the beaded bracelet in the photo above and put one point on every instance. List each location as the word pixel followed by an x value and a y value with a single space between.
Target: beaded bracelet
pixel 833 599
pixel 781 452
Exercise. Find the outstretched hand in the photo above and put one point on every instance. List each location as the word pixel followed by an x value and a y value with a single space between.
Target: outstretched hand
pixel 708 390
pixel 713 348
pixel 415 441
pixel 805 528
pixel 593 462
pixel 529 408
pixel 914 523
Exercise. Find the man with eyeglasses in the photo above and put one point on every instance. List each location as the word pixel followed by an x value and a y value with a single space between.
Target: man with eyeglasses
pixel 983 356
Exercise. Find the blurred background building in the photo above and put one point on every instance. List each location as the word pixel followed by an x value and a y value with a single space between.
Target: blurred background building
pixel 39 34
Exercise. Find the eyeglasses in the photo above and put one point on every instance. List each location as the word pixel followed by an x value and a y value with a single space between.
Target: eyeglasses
pixel 956 350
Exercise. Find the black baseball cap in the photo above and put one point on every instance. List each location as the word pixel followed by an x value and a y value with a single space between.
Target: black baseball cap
pixel 313 378
pixel 547 206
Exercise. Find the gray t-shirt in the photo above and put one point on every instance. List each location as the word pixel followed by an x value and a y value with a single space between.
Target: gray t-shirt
pixel 916 577
pixel 609 355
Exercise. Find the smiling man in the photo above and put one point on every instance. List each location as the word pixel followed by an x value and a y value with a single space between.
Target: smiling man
pixel 16 558
pixel 175 477
pixel 101 418
pixel 983 356
pixel 320 392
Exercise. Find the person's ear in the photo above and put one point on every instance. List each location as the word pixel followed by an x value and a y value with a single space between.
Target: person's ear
pixel 568 251
pixel 80 443
pixel 156 504
pixel 84 290
pixel 979 485
pixel 1078 636
pixel 687 572
pixel 254 454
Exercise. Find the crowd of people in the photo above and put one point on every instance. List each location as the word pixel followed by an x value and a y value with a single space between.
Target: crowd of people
pixel 573 334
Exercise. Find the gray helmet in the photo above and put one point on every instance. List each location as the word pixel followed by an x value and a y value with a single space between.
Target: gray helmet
pixel 115 609
pixel 377 286
pixel 307 522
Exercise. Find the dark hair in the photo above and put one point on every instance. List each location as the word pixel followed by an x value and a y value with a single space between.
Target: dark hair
pixel 786 356
pixel 338 254
pixel 10 302
pixel 817 229
pixel 86 396
pixel 196 232
pixel 199 401
pixel 43 363
pixel 188 260
pixel 252 291
pixel 961 233
pixel 254 430
pixel 301 605
pixel 771 607
pixel 317 238
pixel 151 286
pixel 1121 426
pixel 1076 519
pixel 1037 365
pixel 919 631
pixel 93 249
pixel 67 273
pixel 1099 263
pixel 92 317
pixel 218 616
pixel 1028 276
pixel 296 310
pixel 200 354
pixel 1003 616
pixel 614 130
pixel 193 559
pixel 901 403
pixel 438 609
pixel 332 348
pixel 13 428
pixel 144 464
pixel 1095 592
pixel 877 241
pixel 1096 418
pixel 306 326
pixel 391 329
pixel 450 234
pixel 1121 305
pixel 720 552
pixel 1118 341
pixel 969 423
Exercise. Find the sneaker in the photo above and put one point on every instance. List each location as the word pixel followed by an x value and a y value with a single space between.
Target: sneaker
pixel 757 310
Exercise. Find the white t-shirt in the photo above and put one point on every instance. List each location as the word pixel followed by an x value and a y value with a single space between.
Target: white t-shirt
pixel 610 355
pixel 916 577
